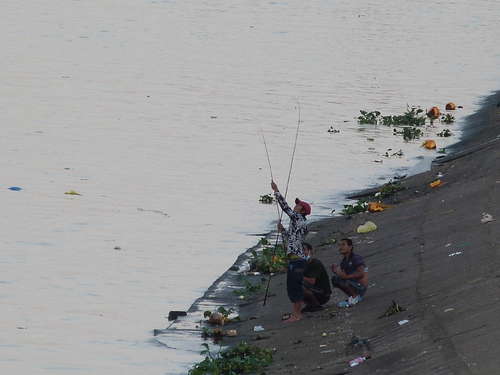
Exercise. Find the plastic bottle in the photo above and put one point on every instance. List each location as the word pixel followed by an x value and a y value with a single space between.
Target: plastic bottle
pixel 357 361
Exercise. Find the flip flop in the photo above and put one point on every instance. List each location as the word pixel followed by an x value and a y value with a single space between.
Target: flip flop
pixel 286 316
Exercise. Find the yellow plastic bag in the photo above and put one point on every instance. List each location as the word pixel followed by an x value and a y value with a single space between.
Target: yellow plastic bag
pixel 367 227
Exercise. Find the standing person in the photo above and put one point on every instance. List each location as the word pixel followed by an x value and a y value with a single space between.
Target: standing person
pixel 352 277
pixel 316 283
pixel 294 236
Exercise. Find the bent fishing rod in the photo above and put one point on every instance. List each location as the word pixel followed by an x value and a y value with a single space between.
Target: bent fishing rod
pixel 280 216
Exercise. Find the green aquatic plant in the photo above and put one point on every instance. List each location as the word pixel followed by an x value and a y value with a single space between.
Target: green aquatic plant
pixel 411 117
pixel 409 133
pixel 267 199
pixel 248 288
pixel 356 208
pixel 445 133
pixel 272 259
pixel 447 119
pixel 242 359
pixel 369 117
pixel 391 188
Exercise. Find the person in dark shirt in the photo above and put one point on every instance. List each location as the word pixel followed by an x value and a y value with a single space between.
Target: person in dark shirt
pixel 351 277
pixel 316 282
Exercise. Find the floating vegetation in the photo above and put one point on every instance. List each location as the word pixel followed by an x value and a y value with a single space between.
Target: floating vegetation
pixel 243 358
pixel 371 118
pixel 332 130
pixel 445 133
pixel 408 133
pixel 409 122
pixel 356 208
pixel 267 199
pixel 447 119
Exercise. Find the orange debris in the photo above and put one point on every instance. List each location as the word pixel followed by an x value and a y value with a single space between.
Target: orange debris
pixel 429 144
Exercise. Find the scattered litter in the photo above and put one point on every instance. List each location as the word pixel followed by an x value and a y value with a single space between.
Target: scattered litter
pixel 357 361
pixel 327 351
pixel 453 254
pixel 22 327
pixel 447 310
pixel 258 328
pixel 15 188
pixel 433 112
pixel 450 106
pixel 393 309
pixel 253 273
pixel 447 245
pixel 429 144
pixel 435 183
pixel 464 244
pixel 404 321
pixel 216 319
pixel 486 218
pixel 173 315
pixel 378 161
pixel 378 207
pixel 359 342
pixel 367 227
pixel 231 333
pixel 118 248
pixel 447 212
pixel 72 192
pixel 245 267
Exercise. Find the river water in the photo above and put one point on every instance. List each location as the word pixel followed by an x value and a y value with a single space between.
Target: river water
pixel 151 115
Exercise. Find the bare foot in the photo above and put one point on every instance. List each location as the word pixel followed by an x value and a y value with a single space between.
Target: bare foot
pixel 292 319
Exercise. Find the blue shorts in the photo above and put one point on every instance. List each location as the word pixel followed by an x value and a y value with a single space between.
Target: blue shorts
pixel 355 285
pixel 294 278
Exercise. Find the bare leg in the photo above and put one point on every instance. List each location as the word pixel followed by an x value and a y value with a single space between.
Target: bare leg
pixel 347 290
pixel 297 315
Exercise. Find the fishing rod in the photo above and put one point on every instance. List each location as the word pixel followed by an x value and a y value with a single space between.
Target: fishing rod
pixel 280 216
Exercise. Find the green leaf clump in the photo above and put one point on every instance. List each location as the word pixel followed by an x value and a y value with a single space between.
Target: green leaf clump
pixel 267 199
pixel 272 259
pixel 391 188
pixel 244 358
pixel 356 208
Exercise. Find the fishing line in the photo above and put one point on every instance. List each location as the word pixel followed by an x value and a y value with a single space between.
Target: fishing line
pixel 280 216
pixel 267 153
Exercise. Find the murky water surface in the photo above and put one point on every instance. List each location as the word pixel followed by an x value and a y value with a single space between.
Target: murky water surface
pixel 154 114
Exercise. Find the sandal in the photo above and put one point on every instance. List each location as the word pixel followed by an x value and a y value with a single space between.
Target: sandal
pixel 286 316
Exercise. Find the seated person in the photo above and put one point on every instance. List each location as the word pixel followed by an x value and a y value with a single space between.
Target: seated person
pixel 352 277
pixel 316 283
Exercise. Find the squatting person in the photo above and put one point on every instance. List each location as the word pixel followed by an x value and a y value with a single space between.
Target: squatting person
pixel 352 277
pixel 316 282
